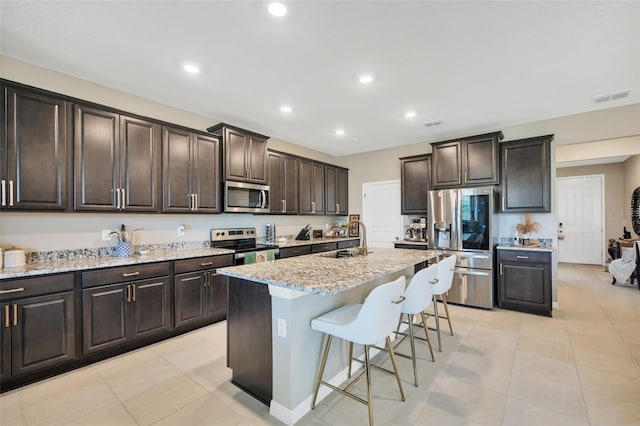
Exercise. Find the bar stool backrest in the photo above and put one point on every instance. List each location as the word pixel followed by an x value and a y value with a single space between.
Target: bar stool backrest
pixel 419 292
pixel 444 275
pixel 379 314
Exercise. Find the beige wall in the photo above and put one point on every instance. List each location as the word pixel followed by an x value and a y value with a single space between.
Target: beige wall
pixel 631 182
pixel 614 199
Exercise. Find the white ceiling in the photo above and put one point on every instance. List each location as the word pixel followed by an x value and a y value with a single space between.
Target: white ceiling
pixel 477 66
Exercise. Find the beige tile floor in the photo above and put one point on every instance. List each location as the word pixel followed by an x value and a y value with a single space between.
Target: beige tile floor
pixel 581 367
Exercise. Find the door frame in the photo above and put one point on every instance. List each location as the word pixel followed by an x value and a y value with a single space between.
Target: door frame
pixel 603 250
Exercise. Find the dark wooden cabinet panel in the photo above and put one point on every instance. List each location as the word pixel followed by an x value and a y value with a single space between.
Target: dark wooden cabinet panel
pixel 190 298
pixel 45 332
pixel 5 342
pixel 311 187
pixel 245 154
pixel 466 162
pixel 526 175
pixel 203 263
pixel 257 159
pixel 236 144
pixel 35 151
pixel 415 177
pixel 322 247
pixel 294 251
pixel 191 175
pixel 336 190
pixel 151 307
pixel 105 317
pixel 139 164
pixel 124 274
pixel 283 183
pixel 96 144
pixel 524 281
pixel 348 243
pixel 217 294
pixel 447 164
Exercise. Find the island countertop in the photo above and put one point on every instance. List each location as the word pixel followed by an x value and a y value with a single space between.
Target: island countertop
pixel 318 274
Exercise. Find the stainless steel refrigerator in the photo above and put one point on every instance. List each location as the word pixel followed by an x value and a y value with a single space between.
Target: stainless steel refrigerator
pixel 460 222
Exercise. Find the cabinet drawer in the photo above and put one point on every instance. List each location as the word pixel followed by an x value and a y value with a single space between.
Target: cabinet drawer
pixel 524 256
pixel 198 263
pixel 124 273
pixel 410 246
pixel 26 287
pixel 319 248
pixel 294 251
pixel 348 244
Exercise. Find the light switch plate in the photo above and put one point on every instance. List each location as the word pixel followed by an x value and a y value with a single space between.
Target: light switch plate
pixel 181 231
pixel 282 328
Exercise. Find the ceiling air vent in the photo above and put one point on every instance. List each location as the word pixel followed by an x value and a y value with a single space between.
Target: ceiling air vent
pixel 613 96
pixel 433 123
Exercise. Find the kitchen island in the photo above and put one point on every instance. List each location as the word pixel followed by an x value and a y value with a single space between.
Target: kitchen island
pixel 271 347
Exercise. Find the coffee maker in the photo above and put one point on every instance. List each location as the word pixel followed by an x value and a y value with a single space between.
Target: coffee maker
pixel 416 230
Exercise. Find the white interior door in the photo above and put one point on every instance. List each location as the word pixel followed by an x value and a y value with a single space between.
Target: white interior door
pixel 381 212
pixel 581 213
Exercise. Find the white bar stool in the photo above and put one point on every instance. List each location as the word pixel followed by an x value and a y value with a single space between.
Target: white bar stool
pixel 444 278
pixel 365 324
pixel 418 297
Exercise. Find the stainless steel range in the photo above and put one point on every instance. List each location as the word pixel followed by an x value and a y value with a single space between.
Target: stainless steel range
pixel 240 240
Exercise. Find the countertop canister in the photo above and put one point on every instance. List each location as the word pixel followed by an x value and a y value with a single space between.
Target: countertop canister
pixel 14 258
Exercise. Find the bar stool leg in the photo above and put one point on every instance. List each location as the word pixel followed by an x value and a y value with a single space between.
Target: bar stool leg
pixel 446 310
pixel 435 314
pixel 323 363
pixel 350 357
pixel 395 367
pixel 413 349
pixel 367 366
pixel 426 333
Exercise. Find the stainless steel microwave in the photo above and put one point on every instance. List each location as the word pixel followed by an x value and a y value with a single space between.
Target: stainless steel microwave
pixel 242 197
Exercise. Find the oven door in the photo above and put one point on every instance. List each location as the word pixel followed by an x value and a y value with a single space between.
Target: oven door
pixel 241 197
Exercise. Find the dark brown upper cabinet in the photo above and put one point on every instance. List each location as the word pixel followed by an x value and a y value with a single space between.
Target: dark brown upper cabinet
pixel 526 175
pixel 283 183
pixel 336 190
pixel 117 162
pixel 466 162
pixel 191 174
pixel 244 153
pixel 35 151
pixel 415 177
pixel 311 187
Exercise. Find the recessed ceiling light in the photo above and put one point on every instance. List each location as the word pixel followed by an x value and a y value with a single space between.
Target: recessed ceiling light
pixel 285 108
pixel 277 9
pixel 191 69
pixel 366 79
pixel 340 132
pixel 410 114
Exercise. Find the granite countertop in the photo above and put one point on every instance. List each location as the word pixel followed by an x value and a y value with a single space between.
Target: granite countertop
pixel 525 248
pixel 318 274
pixel 295 243
pixel 106 262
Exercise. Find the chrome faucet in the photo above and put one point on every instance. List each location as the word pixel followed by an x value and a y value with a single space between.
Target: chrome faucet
pixel 363 241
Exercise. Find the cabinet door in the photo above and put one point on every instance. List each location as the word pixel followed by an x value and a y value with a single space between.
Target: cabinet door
pixel 342 191
pixel 416 183
pixel 37 151
pixel 206 178
pixel 305 176
pixel 330 189
pixel 43 332
pixel 318 188
pixel 176 164
pixel 190 298
pixel 217 305
pixel 525 287
pixel 140 164
pixel 290 183
pixel 480 156
pixel 276 183
pixel 150 302
pixel 526 175
pixel 105 317
pixel 96 159
pixel 236 145
pixel 447 165
pixel 5 342
pixel 257 159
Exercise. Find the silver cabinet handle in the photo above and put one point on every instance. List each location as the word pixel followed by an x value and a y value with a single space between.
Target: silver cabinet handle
pixel 283 203
pixel 131 274
pixel 118 198
pixel 337 208
pixel 195 203
pixel 10 193
pixel 503 207
pixel 501 269
pixel 459 177
pixel 313 207
pixel 522 257
pixel 466 179
pixel 4 193
pixel 123 205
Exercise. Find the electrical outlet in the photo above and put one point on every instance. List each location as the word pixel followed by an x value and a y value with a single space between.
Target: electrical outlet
pixel 105 234
pixel 282 328
pixel 181 231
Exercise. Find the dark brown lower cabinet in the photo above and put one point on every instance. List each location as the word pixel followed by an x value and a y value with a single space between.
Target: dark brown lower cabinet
pixel 119 313
pixel 200 295
pixel 524 281
pixel 37 332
